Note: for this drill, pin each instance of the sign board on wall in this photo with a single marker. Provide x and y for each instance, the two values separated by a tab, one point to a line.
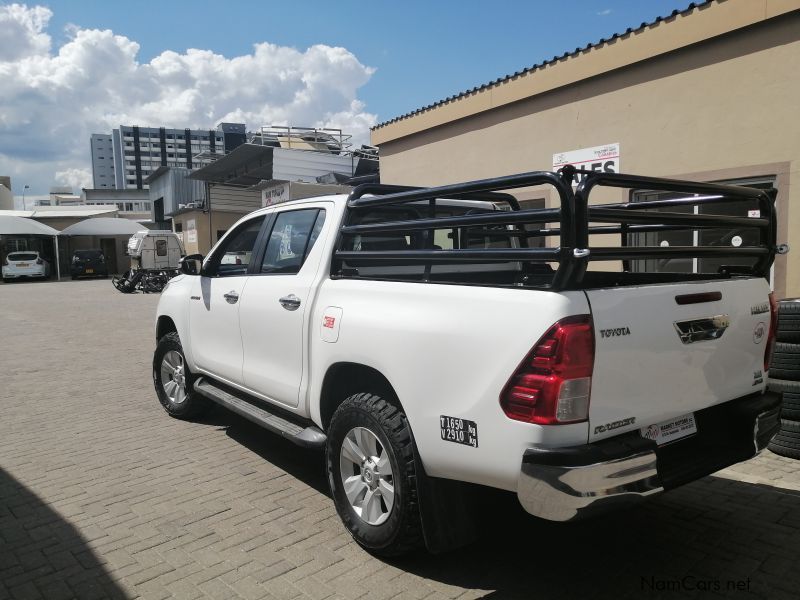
275	194
191	231
599	158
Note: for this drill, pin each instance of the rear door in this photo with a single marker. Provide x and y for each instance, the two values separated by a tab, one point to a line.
664	351
276	303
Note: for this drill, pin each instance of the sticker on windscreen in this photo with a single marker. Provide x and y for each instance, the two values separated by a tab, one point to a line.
460	431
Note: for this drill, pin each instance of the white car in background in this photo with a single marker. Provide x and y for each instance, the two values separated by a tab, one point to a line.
27	263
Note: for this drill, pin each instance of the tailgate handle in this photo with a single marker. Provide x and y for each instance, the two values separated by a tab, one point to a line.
701	330
698	298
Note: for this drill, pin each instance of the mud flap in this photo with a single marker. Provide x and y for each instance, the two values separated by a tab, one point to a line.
447	511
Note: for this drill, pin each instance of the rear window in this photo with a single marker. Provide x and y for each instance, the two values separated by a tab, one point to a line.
88	253
444	238
23	256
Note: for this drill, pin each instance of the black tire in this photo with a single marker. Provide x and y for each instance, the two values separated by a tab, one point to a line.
194	405
401	532
791	406
783	385
785	362
787	441
789	306
789	321
785	451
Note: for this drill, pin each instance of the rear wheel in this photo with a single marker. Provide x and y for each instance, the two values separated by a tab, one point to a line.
372	474
173	380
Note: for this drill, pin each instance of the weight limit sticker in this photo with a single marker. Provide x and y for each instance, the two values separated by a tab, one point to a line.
459	431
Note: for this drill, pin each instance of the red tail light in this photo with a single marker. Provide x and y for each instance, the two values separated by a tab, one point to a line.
773	330
553	383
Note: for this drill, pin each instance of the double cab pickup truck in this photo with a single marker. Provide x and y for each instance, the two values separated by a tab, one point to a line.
607	344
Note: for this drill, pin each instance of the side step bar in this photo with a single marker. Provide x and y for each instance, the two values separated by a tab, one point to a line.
310	436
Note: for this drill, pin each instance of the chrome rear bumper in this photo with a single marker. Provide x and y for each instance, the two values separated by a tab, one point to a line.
564	484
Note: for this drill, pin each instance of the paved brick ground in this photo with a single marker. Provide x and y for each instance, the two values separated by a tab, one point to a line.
103	495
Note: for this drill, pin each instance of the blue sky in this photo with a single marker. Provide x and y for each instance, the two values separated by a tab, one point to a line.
72	68
423	50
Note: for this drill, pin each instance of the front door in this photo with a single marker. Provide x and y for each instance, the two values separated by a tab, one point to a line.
276	302
214	334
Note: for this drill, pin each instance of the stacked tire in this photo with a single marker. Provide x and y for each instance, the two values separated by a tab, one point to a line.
784	377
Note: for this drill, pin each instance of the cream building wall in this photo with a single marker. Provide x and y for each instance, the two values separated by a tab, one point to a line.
720	109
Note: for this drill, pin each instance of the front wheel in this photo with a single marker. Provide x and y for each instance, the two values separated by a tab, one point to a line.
173	380
372	474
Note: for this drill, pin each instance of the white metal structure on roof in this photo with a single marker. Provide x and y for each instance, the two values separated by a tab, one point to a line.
17	225
104	226
52	212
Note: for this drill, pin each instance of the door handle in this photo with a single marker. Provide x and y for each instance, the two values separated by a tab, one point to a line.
231	297
290	302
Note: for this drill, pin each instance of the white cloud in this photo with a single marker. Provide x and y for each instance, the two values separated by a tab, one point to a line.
77	179
52	99
604	12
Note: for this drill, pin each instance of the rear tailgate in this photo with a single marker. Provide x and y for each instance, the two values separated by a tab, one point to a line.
645	373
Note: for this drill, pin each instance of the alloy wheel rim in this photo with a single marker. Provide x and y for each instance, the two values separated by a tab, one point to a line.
366	475
173	377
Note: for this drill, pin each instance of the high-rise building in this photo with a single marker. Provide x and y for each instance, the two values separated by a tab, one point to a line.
124	159
102	161
139	151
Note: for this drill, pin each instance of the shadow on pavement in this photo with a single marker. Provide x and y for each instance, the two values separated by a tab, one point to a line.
42	554
716	536
305	464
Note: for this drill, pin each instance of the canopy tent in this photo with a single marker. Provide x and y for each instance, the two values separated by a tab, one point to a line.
11	225
21	226
104	226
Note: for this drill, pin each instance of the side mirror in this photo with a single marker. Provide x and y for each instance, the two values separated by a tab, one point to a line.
190	265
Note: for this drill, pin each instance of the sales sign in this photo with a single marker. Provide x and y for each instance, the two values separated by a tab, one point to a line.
603	159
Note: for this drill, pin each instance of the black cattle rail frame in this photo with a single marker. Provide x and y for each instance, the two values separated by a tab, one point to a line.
574	222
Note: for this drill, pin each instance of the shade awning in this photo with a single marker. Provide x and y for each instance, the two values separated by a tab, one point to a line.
104	226
246	165
10	225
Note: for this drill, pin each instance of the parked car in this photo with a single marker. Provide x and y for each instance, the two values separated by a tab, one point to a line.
428	339
88	263
27	263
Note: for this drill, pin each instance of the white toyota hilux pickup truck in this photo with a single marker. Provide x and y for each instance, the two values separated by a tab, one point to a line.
581	355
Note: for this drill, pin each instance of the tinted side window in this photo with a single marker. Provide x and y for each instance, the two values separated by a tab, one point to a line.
233	256
291	239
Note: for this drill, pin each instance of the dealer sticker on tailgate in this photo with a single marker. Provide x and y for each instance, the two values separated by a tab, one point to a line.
669	431
459	431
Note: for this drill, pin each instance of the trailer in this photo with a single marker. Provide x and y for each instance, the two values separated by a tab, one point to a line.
155	259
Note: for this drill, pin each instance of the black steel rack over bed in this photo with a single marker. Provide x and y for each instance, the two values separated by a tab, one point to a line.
377	214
